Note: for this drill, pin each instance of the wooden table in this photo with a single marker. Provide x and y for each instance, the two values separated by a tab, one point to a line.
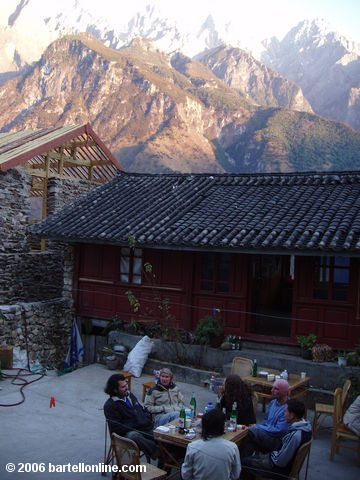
298	387
167	458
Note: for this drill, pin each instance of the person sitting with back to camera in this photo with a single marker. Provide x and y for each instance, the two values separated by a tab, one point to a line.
212	457
164	400
127	418
266	436
236	390
279	462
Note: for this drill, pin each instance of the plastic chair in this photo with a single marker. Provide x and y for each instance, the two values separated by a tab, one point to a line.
323	410
127	453
340	432
241	366
302	453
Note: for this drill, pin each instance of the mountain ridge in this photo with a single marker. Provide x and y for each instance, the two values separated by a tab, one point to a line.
156	118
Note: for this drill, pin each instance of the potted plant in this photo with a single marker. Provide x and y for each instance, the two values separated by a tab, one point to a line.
306	343
209	331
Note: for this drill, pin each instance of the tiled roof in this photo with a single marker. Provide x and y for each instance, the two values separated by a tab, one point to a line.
305	212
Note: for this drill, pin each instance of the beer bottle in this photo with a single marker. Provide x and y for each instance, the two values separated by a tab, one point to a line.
182	419
193	405
233	417
254	369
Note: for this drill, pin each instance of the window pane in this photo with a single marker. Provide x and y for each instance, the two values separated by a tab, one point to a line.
224	267
125	252
206	285
321	294
222	287
137	279
207	271
342	262
137	252
339	295
124	277
341	277
137	266
124	264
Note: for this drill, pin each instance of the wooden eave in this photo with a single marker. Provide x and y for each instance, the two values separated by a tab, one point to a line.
72	152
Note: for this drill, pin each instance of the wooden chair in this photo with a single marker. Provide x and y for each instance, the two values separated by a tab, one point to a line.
302	453
241	366
323	410
146	386
127	453
109	454
255	400
340	432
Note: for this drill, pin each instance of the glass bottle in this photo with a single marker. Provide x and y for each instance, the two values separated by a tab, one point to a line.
254	369
182	419
193	405
233	417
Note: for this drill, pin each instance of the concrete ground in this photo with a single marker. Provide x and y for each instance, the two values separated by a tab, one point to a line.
73	431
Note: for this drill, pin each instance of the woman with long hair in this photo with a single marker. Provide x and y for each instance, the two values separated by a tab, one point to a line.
236	390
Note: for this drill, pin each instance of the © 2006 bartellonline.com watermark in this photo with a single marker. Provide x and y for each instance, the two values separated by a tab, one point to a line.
81	467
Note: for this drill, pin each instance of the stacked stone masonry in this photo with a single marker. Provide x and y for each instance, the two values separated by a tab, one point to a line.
34	280
44	327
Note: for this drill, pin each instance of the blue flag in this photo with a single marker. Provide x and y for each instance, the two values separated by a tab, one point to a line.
75	353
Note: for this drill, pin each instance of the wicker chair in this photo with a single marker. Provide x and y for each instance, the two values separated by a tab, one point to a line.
241	366
340	432
127	453
323	410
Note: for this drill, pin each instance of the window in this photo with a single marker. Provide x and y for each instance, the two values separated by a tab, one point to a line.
332	275
130	265
215	272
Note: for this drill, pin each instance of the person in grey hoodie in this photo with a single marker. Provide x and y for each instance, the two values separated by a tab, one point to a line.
279	462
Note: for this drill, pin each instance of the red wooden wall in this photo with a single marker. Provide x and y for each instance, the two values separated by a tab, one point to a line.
100	294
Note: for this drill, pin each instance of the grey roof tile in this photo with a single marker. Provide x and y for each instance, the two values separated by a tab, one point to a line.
305	212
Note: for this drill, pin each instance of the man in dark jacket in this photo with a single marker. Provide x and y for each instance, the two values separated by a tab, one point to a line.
126	417
279	462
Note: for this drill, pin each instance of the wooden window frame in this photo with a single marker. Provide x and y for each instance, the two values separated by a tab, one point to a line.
326	266
215	282
132	254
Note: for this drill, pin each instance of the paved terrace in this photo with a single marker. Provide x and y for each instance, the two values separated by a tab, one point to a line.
73	431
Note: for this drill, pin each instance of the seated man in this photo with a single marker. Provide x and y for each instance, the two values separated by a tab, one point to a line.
127	417
279	462
164	400
352	416
212	457
266	436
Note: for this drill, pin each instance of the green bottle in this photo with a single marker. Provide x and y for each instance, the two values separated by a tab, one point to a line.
182	419
233	417
193	405
254	369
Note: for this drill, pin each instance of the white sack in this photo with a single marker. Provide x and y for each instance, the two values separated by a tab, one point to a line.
138	356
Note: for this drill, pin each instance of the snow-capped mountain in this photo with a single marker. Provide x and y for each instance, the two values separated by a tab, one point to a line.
325	64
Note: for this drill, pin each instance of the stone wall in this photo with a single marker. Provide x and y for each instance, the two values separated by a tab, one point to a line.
27	276
44	327
35	286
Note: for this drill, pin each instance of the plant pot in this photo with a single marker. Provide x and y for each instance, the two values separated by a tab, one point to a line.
342	361
306	353
112	362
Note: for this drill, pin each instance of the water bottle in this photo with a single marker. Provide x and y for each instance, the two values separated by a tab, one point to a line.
254	369
209	407
212	383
